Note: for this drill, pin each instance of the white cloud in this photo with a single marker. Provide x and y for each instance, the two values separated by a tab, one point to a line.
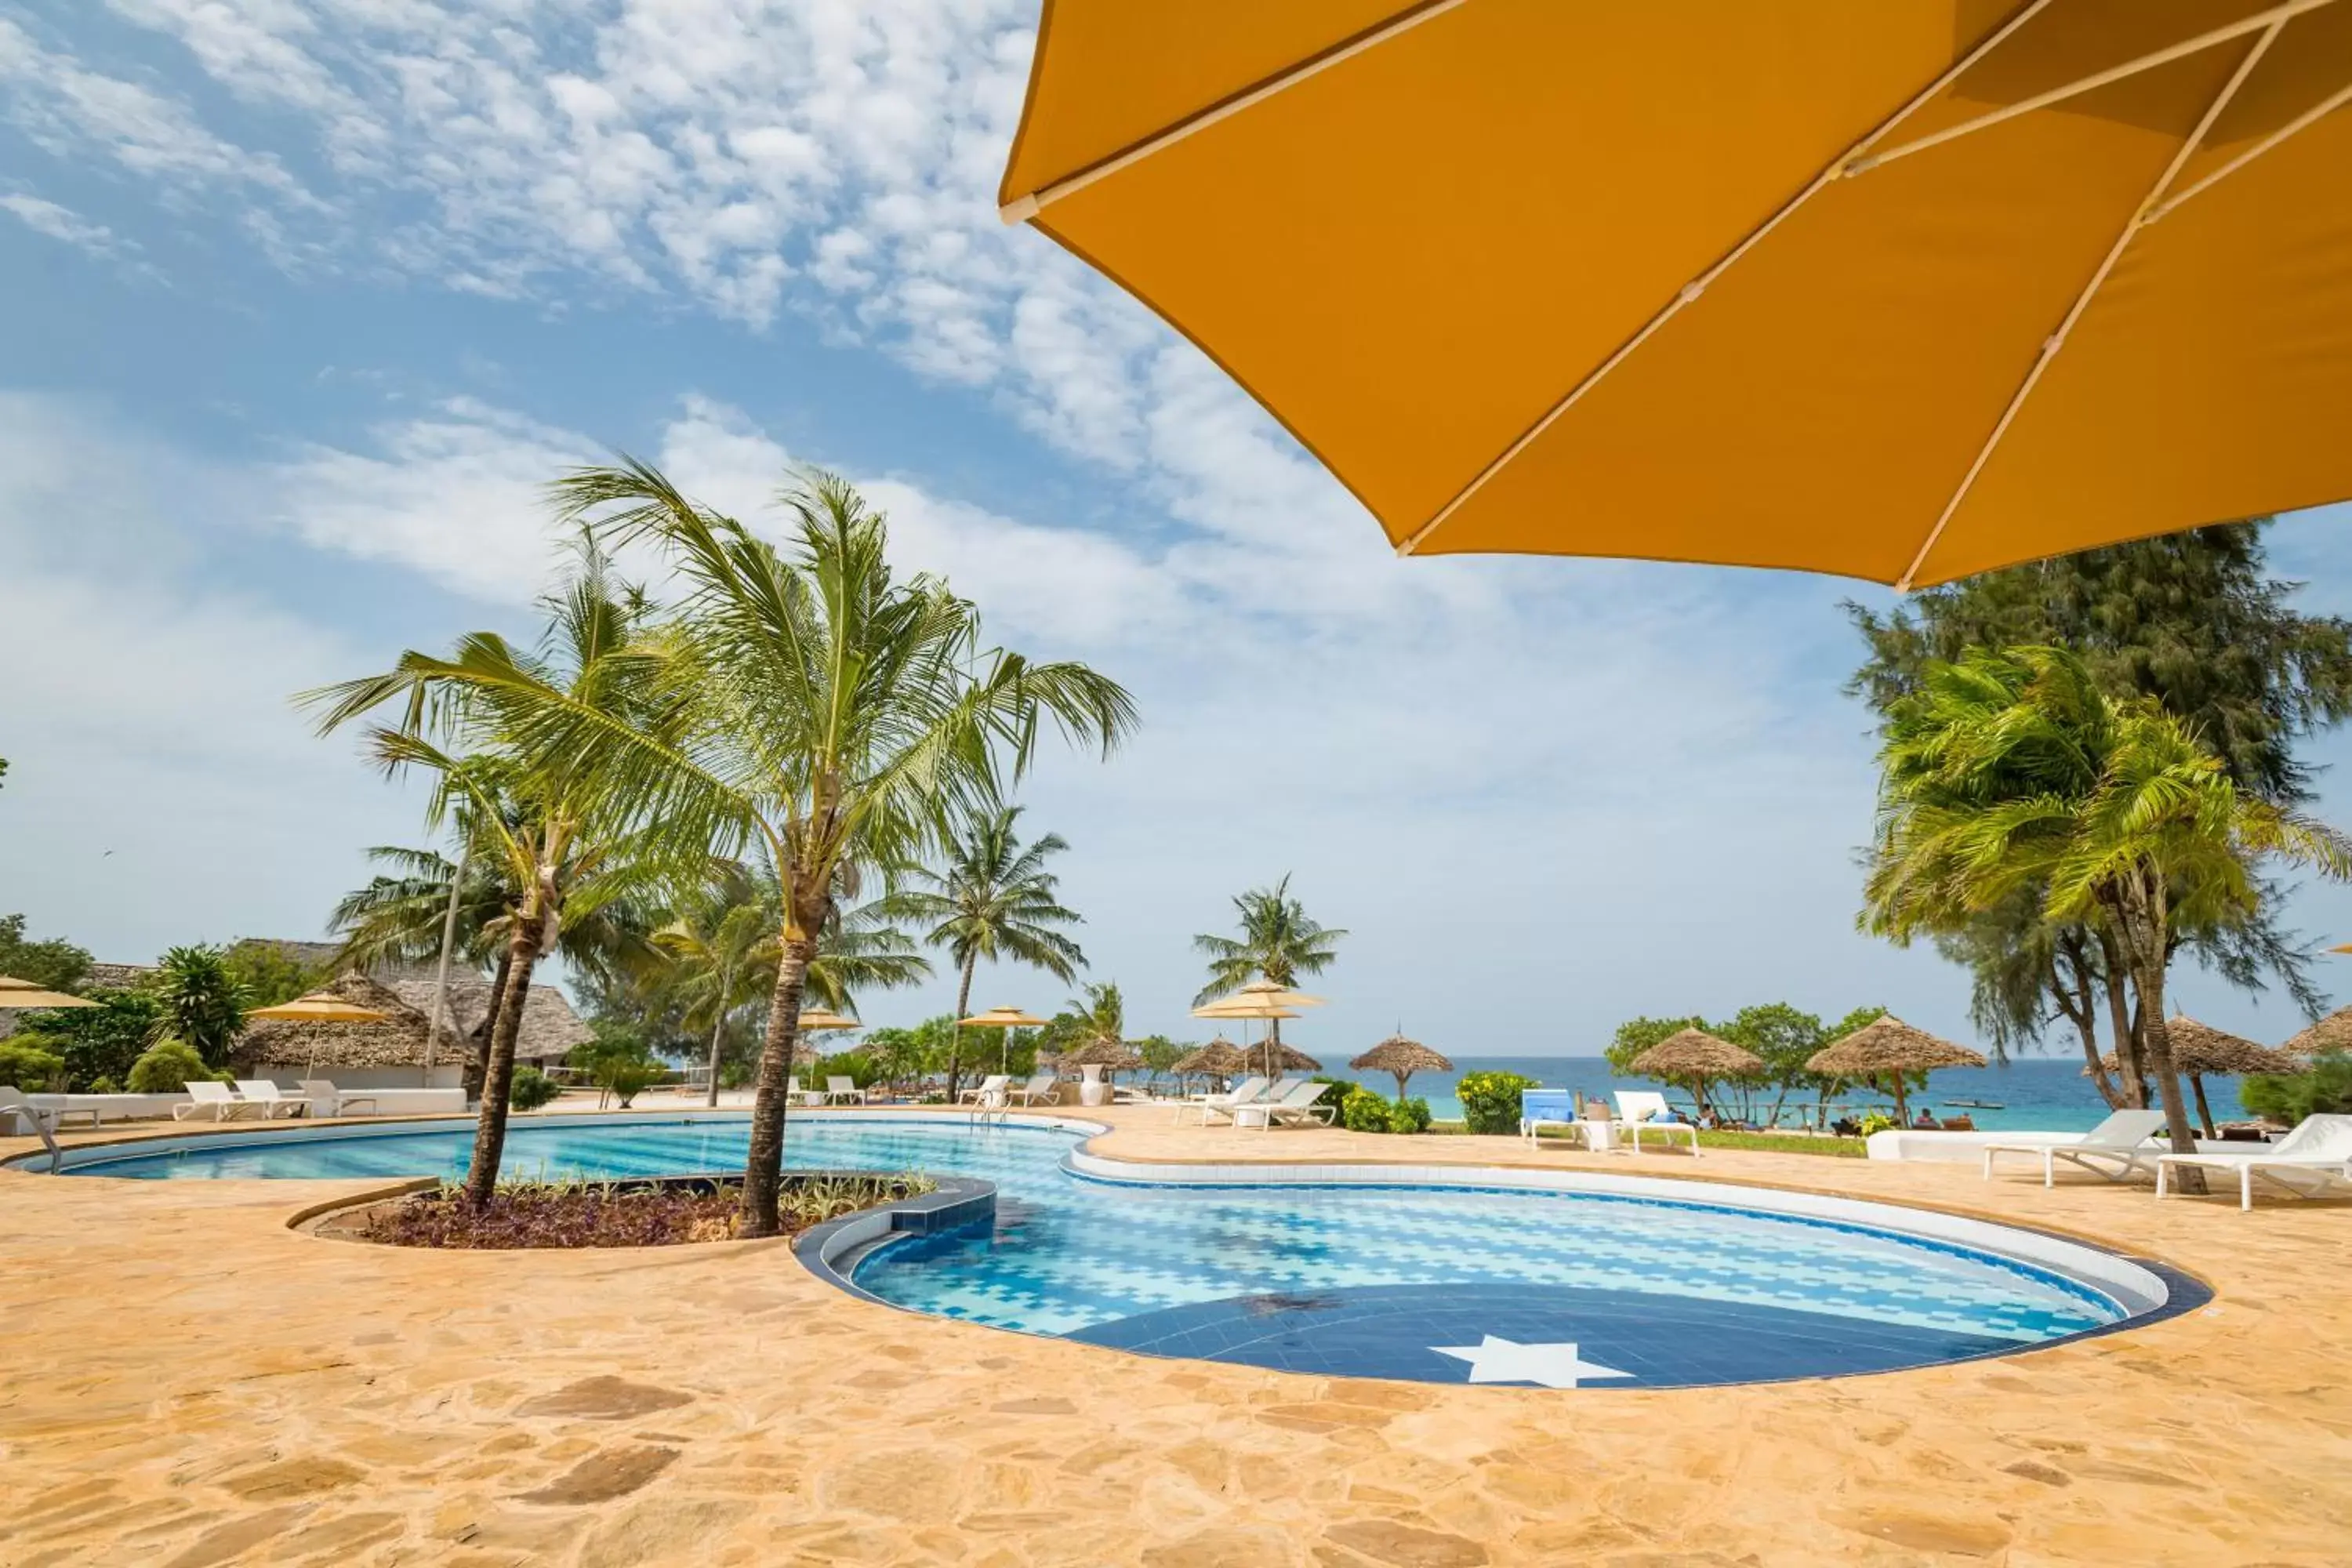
60	224
458	496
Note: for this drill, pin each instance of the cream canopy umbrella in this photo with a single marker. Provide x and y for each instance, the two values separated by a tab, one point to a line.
24	995
1895	290
1889	1047
1007	1019
318	1007
1267	1000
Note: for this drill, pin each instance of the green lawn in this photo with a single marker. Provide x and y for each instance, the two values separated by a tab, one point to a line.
1771	1143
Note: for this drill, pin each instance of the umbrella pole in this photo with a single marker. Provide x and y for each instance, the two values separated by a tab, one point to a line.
2204	1111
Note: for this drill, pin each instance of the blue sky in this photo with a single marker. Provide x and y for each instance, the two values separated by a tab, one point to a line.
301	299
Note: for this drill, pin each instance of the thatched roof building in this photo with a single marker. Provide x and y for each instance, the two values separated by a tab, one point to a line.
1401	1058
550	1029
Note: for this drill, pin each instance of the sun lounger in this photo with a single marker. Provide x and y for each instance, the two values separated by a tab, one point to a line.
211	1101
1043	1086
2115	1149
265	1094
40	1116
338	1102
993	1084
1296	1103
1247	1091
1643	1111
843	1089
2317	1155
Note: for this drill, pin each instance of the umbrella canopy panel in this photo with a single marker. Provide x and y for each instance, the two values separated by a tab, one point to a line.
1002	1018
23	994
1929	287
320	1007
2333	1032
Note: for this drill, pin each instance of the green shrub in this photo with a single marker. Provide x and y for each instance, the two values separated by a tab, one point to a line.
1490	1101
2326	1089
1362	1111
625	1077
857	1066
532	1088
168	1066
96	1042
102	1086
1413	1116
27	1067
1878	1122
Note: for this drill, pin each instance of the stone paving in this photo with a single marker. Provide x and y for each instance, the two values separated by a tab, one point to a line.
185	1381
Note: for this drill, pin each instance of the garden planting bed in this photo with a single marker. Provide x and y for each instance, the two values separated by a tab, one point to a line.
662	1211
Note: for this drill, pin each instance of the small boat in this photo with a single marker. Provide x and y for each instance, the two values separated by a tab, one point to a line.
1978	1104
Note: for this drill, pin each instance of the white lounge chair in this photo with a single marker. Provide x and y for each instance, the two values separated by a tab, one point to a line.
995	1084
212	1101
2317	1155
50	1117
844	1090
1296	1102
1042	1086
1644	1110
262	1092
1248	1092
2115	1149
319	1088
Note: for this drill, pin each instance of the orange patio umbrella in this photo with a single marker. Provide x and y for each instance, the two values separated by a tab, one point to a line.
1899	289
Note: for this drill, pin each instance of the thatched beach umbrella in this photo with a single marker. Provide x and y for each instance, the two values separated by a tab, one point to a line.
1889	1048
2198	1049
1401	1058
1697	1055
1219	1058
2333	1032
1110	1055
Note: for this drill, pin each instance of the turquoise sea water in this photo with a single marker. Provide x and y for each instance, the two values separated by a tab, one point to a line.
2047	1094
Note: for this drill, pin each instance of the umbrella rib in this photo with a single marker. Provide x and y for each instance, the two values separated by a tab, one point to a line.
2304	121
1829	175
1021	209
2057	340
2261	21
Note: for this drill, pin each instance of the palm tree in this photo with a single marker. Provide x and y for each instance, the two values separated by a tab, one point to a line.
714	945
1278	943
2012	774
994	901
807	703
547	827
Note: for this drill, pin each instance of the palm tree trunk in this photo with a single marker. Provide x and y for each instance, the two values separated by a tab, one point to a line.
718	1026
763	1170
475	1050
2167	1081
2131	1075
955	1028
498	1075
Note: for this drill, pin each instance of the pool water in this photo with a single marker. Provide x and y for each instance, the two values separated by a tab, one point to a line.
1432	1284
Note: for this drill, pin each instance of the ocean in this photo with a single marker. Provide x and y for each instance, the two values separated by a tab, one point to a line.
2044	1093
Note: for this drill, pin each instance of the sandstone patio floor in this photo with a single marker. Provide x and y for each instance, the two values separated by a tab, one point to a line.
185	1381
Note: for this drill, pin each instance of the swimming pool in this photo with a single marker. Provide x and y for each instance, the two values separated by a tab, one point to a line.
1405	1274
